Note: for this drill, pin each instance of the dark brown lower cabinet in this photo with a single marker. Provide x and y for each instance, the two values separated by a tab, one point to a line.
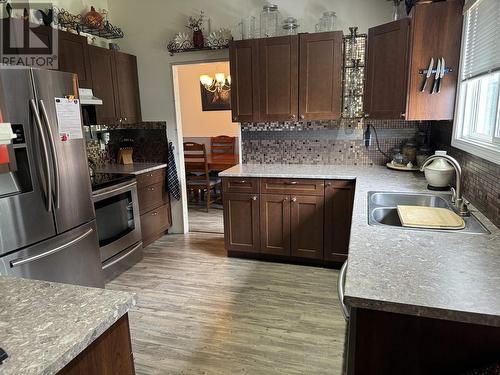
383	343
339	197
275	224
111	353
304	220
154	205
241	222
307	226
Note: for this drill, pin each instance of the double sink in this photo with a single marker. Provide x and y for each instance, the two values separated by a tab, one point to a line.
382	210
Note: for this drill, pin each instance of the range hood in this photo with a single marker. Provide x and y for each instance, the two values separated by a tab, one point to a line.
87	97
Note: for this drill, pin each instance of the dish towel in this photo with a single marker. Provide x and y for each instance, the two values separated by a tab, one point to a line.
172	179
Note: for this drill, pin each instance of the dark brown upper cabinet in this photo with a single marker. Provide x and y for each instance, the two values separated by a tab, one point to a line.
279	70
74	57
244	85
287	78
127	83
115	81
399	51
320	83
103	83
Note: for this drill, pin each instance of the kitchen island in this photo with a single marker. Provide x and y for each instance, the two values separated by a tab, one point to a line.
50	328
393	272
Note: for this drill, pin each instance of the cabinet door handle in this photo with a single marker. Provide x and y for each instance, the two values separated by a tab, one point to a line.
292	117
294	199
150	175
302	117
151	189
367	115
403	115
254	198
125	119
328	184
285	199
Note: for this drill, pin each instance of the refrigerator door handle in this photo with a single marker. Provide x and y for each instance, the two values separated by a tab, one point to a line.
55	163
39	126
20	262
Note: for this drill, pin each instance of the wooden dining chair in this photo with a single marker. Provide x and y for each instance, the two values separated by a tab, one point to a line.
197	173
223	144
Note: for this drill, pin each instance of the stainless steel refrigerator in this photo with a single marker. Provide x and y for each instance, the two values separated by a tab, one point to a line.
47	218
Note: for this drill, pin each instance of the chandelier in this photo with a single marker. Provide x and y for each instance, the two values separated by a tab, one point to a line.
220	84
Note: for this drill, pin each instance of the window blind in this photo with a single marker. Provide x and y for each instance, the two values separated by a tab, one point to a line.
481	45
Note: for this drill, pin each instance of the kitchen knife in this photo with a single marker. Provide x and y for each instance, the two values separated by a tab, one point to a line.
436	76
427	75
441	75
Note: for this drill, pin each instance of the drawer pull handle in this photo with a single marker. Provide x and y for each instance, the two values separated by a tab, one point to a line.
291	183
151	189
241	182
154	214
294	199
254	198
285	199
150	175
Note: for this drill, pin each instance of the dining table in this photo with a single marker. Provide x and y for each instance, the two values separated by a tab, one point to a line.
219	162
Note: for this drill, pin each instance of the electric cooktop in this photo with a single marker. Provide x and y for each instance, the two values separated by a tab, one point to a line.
103	180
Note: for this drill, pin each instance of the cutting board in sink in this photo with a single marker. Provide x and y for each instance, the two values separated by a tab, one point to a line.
429	217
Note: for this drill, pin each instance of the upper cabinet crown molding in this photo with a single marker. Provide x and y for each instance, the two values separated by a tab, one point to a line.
399	51
287	78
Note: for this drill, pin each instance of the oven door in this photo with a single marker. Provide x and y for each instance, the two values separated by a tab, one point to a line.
117	216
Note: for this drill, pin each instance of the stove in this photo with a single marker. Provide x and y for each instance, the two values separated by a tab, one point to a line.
103	180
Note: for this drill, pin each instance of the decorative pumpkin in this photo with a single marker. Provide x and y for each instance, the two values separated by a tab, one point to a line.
93	19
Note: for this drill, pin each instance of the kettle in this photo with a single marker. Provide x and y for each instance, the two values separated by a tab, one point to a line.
439	173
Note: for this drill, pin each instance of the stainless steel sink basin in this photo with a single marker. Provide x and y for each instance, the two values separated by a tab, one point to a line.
382	210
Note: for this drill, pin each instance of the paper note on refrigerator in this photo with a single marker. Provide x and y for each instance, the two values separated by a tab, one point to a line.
69	119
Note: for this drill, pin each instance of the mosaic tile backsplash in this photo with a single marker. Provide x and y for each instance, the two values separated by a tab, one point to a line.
149	143
481	178
327	142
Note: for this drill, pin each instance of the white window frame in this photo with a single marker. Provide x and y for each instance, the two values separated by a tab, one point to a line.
484	148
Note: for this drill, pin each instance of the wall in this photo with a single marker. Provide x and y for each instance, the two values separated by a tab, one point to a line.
195	121
480	178
148	28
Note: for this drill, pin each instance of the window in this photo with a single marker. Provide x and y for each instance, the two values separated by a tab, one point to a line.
477	116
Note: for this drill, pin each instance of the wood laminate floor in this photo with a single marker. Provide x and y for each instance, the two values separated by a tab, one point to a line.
200	312
202	221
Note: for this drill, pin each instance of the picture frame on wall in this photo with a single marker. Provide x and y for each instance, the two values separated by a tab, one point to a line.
215	101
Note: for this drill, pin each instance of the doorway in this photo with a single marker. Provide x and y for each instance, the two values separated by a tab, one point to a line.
200	119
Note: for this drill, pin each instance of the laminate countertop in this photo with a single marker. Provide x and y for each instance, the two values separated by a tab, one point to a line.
135	169
44	325
442	275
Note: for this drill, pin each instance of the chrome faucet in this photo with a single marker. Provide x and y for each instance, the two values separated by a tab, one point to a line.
457	198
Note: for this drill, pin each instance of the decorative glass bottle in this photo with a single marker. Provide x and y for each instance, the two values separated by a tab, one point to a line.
290	26
269	21
327	22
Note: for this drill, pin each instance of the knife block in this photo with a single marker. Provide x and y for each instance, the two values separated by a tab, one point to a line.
125	156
